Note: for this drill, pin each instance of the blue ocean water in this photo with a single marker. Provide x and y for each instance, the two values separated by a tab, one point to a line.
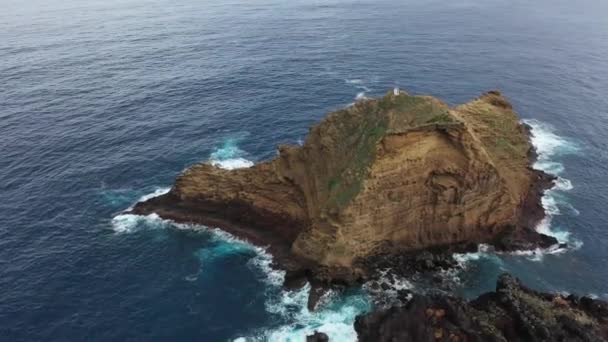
103	102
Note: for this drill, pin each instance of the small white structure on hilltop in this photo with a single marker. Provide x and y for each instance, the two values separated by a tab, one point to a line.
396	91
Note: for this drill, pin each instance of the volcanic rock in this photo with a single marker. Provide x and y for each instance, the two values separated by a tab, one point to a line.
512	313
394	174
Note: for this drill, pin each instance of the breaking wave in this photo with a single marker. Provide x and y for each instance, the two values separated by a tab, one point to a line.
483	251
548	146
127	223
335	316
229	156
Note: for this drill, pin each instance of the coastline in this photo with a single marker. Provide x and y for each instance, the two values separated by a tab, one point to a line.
254	227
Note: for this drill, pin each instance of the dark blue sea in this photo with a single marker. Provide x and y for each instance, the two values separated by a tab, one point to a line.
103	103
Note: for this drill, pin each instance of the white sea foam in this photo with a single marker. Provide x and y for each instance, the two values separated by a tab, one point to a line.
354	81
387	287
360	96
156	193
548	146
335	318
128	223
463	259
223	243
263	262
231	164
229	156
547	143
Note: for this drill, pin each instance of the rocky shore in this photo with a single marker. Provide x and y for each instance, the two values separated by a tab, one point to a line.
511	313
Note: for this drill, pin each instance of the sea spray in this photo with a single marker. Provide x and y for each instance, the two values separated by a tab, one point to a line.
229	156
548	146
335	317
129	223
388	288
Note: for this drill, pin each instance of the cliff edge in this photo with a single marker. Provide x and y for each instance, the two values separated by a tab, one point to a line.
398	173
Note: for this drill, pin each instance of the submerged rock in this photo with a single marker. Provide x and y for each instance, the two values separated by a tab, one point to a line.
390	175
317	337
512	313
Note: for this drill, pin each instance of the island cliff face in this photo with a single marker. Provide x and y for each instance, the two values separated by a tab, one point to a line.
399	173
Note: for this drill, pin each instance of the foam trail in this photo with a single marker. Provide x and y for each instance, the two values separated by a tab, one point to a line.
354	81
548	144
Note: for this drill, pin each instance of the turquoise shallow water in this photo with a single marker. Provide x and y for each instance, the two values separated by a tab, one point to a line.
105	102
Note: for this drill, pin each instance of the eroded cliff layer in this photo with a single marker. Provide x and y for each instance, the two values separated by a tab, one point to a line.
401	172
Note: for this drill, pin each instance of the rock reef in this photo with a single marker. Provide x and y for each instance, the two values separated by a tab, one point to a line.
511	313
384	176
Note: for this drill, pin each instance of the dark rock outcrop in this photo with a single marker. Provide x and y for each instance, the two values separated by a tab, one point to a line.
512	313
317	337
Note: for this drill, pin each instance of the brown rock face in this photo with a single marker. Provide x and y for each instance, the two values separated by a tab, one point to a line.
400	172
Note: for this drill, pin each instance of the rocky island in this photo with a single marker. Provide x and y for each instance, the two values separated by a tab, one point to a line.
400	183
384	176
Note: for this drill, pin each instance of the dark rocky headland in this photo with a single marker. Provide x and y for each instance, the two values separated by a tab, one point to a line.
398	182
511	313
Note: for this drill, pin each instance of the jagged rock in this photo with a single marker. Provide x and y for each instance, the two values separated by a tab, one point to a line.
512	313
317	337
384	176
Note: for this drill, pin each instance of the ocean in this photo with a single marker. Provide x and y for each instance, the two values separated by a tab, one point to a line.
104	103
